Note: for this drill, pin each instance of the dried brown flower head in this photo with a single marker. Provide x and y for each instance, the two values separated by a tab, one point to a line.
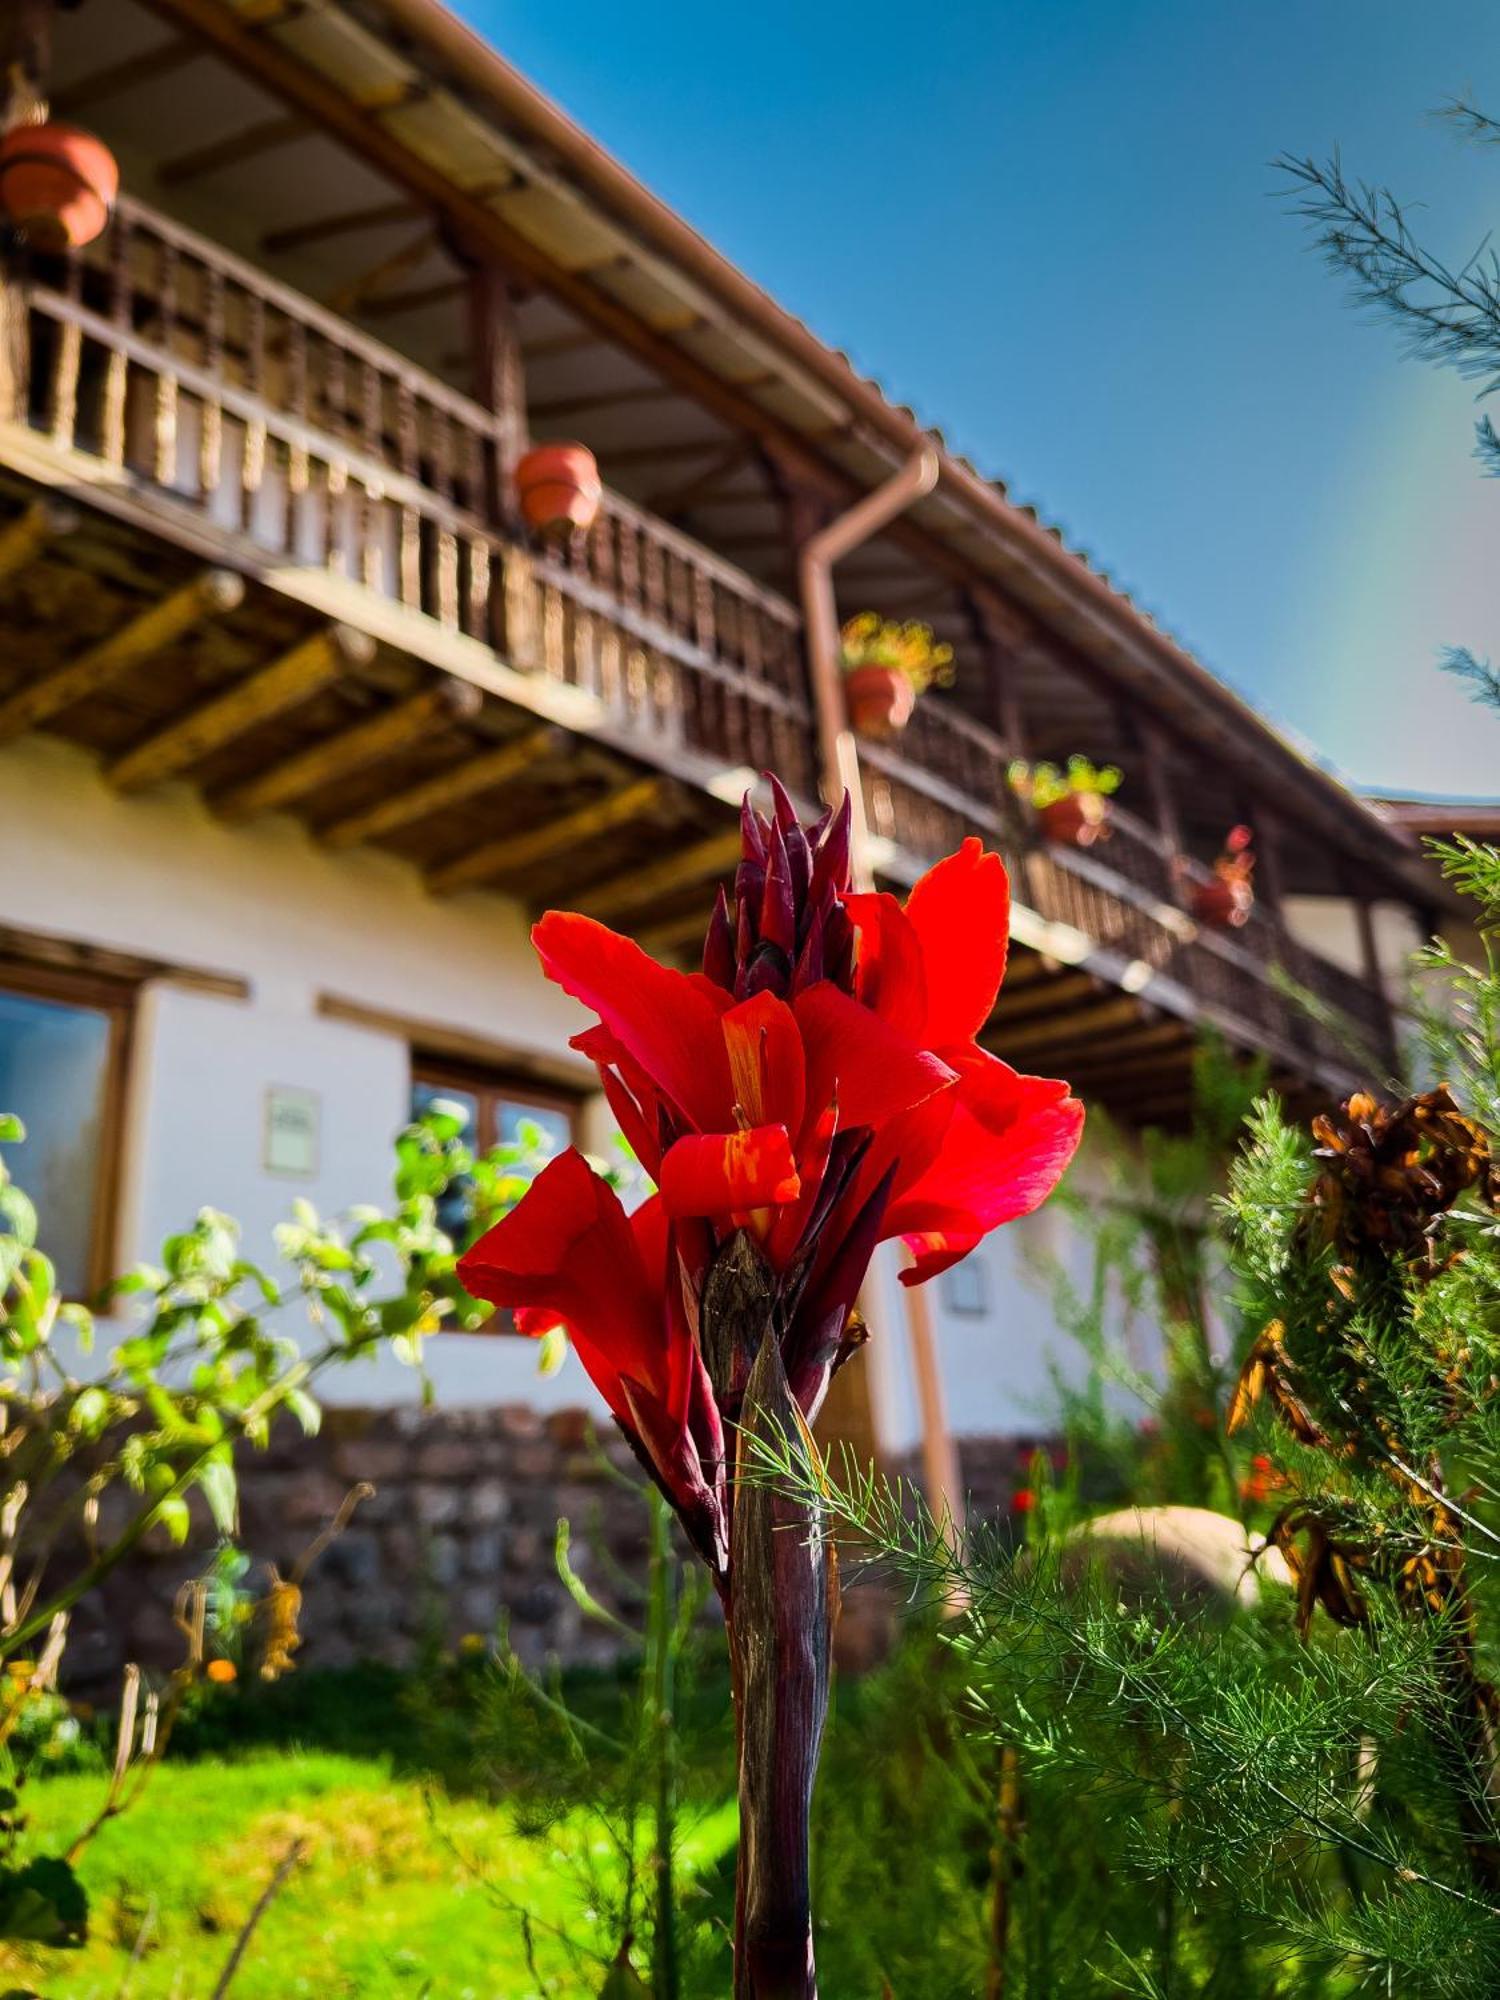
1391	1171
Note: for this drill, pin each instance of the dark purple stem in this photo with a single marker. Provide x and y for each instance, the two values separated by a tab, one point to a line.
780	1622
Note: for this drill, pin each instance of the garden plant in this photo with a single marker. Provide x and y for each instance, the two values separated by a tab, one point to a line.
815	1091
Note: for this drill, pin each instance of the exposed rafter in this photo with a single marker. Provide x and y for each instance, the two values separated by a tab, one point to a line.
149	66
635	887
380	736
469	779
300	235
42	522
515	851
208	596
293	678
246	144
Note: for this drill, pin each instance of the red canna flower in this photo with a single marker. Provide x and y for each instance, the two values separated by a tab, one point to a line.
815	1090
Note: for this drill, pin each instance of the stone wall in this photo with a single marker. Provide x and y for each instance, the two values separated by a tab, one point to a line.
458	1535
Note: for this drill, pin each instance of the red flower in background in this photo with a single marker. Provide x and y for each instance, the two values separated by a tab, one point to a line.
815	1090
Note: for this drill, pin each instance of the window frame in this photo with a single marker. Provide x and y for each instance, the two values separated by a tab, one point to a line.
491	1084
116	1000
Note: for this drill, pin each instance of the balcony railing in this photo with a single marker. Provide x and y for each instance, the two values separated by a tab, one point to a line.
197	380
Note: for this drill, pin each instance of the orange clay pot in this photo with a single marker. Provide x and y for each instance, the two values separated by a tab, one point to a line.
559	487
1077	820
1223	905
880	699
57	184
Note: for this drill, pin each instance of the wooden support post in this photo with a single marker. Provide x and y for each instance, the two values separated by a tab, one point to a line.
1270	885
1153	749
207	596
369	742
499	380
25	57
468	780
1369	957
42	522
717	855
545	843
1001	635
295	677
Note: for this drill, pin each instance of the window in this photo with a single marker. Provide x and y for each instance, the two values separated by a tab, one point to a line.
964	1289
62	1062
496	1106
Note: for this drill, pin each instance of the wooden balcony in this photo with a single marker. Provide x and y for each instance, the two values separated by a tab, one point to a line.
251	547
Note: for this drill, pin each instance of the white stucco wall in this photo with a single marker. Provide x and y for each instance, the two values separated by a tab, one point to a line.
158	877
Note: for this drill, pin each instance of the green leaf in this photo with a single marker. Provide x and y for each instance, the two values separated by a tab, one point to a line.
43	1903
552	1350
217	1482
12	1131
174	1517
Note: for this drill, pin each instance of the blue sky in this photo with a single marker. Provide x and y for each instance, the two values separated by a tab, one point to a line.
1051	229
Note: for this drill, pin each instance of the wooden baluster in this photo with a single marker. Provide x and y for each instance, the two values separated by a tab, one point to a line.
117	368
164	435
630	563
66	366
253	464
703	610
298	462
211	438
447	541
409	530
368	508
480	557
336	475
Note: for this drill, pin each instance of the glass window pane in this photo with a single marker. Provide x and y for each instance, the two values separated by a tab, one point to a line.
54	1072
453	1202
551	1121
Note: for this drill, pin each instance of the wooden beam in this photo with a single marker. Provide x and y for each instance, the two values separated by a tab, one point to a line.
1039	997
637	886
388	305
299	235
207	596
1161	1038
1066	1030
147	67
602	399
544	843
246	144
674	938
667	500
24	537
466	780
368	742
562	343
294	677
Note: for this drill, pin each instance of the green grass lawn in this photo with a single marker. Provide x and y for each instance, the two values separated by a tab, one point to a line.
402	1891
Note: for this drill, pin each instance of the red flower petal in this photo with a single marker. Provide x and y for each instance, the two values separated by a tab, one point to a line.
888	971
729	1173
960	911
858	1060
568	1247
666	1021
767	1068
1008	1142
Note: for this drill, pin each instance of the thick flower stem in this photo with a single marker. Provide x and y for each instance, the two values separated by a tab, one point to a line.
780	1619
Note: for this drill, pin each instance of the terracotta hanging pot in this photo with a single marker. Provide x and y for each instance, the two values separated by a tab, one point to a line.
880	699
57	184
1077	819
1223	905
560	488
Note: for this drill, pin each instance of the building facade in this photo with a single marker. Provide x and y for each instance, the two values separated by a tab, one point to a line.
300	724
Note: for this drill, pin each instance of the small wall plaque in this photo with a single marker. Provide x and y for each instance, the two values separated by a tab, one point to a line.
294	1121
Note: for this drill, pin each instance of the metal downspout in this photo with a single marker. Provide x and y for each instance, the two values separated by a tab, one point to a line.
838	762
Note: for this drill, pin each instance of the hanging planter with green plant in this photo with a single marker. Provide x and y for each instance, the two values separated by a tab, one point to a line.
886	666
1071	803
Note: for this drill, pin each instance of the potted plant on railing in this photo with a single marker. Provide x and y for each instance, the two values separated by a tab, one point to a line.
57	184
886	666
559	488
1225	900
1071	803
